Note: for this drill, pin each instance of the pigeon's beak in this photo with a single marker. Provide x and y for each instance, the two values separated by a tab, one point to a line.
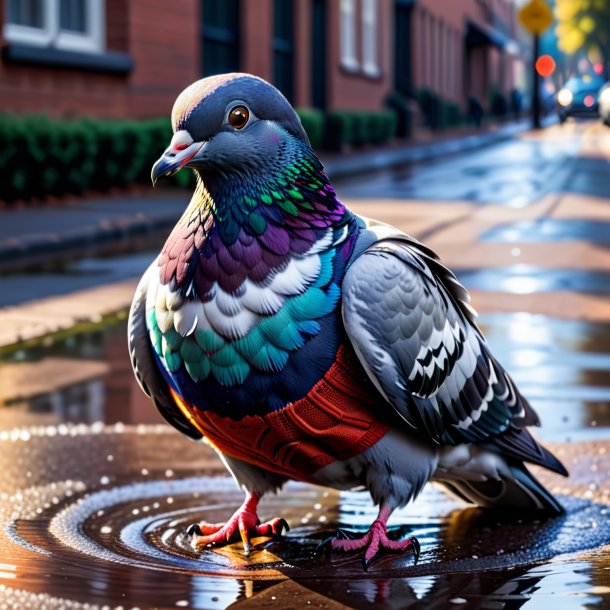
179	153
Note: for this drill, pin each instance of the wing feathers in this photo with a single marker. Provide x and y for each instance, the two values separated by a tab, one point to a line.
413	329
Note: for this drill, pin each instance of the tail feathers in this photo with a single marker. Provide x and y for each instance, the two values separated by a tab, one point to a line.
518	490
519	444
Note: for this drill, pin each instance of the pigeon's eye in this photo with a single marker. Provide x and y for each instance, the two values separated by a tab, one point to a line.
238	117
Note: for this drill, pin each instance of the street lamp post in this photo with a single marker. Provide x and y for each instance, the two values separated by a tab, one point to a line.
536	17
536	122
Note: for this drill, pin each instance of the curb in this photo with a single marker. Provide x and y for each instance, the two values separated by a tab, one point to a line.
33	250
372	161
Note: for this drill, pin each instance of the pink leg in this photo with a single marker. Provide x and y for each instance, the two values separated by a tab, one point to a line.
244	522
374	541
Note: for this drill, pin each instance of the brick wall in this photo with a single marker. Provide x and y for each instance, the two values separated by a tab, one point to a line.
444	64
356	90
161	37
164	43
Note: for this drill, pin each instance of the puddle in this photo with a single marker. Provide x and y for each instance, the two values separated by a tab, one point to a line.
73	276
528	279
551	230
515	173
96	493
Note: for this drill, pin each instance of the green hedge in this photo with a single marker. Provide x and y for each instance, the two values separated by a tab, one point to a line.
41	156
346	127
399	103
438	112
312	120
498	103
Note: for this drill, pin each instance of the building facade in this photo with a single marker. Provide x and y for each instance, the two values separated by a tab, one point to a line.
120	58
461	49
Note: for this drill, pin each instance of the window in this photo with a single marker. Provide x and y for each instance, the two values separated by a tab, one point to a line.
73	25
283	47
220	36
369	37
348	35
359	52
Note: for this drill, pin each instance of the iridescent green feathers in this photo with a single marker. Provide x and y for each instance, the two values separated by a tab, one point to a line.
247	274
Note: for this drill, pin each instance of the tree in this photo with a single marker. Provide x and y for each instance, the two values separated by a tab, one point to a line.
584	25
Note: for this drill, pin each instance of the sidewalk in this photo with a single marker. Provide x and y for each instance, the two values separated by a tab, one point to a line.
44	234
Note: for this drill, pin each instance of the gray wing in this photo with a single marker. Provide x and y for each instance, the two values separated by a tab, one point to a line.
413	329
145	366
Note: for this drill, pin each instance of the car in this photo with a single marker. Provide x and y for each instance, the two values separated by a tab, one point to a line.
579	97
603	101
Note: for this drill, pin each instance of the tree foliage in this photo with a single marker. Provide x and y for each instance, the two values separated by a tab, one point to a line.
584	25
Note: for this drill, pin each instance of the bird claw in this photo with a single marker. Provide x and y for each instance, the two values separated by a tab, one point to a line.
325	545
238	527
344	534
282	526
373	543
194	530
416	549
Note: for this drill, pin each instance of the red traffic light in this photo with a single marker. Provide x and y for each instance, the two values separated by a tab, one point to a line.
545	65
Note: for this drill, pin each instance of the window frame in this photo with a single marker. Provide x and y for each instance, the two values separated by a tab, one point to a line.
50	35
347	39
370	38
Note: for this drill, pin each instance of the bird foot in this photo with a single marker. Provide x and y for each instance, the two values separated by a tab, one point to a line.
244	525
374	542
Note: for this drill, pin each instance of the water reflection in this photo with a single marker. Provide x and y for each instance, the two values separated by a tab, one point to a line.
562	366
551	230
58	458
528	279
84	378
516	173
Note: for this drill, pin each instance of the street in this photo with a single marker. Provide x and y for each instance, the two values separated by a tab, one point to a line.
98	490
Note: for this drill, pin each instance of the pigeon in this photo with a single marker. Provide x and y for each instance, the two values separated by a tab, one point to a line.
304	342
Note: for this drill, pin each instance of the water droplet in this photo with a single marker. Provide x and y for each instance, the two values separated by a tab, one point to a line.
105	529
110	457
169	473
515	251
144	471
104	480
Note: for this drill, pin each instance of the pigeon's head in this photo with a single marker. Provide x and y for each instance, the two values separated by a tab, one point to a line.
228	124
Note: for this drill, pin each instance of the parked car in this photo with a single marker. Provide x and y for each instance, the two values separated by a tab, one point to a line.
579	97
603	101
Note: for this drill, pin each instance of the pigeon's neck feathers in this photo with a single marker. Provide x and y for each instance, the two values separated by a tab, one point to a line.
244	226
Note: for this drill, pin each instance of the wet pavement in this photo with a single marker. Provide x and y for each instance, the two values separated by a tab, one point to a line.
515	173
96	490
97	493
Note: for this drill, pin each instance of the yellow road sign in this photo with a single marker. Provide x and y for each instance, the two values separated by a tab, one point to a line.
536	16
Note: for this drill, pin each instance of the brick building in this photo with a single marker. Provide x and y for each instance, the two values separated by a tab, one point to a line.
131	58
459	48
